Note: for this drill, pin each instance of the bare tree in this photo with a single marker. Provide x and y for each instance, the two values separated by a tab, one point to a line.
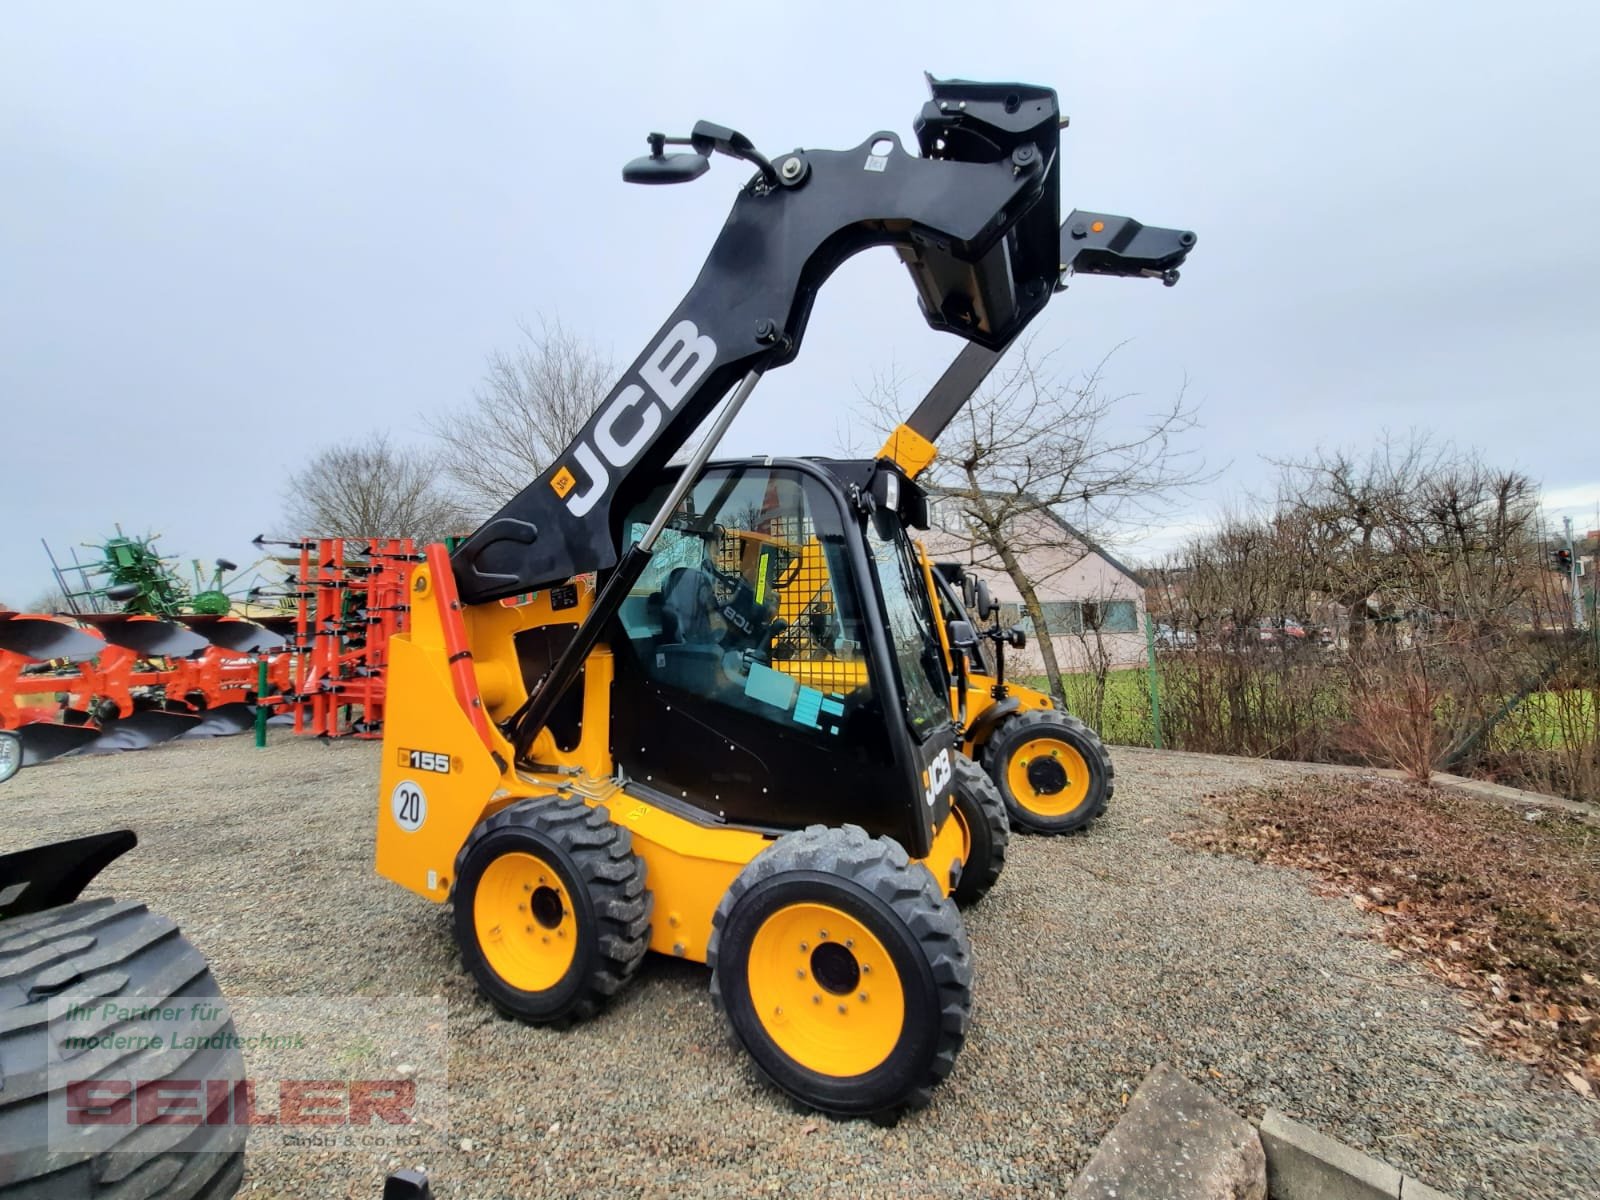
531	403
1413	526
1034	455
369	488
51	600
1420	570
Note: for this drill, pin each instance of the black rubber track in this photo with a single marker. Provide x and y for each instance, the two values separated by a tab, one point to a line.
984	810
1019	729
846	867
606	882
105	950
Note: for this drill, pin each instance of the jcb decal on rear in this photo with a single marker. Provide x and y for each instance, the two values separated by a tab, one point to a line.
937	777
425	760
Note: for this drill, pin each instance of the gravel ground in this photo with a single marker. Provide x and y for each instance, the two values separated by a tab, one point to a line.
1097	957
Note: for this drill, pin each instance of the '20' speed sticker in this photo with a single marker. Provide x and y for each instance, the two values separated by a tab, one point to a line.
409	805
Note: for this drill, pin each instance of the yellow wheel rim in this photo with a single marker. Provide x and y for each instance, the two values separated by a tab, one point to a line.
1048	776
525	921
825	990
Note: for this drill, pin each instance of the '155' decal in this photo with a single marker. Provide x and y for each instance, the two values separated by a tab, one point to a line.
425	760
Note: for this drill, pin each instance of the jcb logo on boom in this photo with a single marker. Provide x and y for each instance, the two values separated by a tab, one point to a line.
939	772
670	371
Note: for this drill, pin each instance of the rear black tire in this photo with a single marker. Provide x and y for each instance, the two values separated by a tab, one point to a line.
1088	778
892	937
109	950
978	805
592	891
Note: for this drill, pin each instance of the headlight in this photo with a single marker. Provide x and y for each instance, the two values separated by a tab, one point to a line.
10	755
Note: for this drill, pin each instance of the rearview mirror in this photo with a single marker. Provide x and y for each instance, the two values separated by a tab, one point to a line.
962	635
665	168
983	603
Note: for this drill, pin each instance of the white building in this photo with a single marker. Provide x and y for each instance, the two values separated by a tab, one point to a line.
1093	604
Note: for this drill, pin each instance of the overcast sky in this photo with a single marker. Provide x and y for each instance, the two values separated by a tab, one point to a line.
231	234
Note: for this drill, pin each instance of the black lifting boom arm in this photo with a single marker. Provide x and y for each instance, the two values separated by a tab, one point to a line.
975	218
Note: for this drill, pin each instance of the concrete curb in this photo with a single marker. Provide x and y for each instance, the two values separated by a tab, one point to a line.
1482	789
1303	1164
1175	1141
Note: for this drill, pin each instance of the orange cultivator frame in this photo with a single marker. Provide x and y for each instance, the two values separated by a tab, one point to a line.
352	600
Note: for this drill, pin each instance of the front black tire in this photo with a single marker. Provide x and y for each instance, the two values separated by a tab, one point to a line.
844	972
551	912
978	805
111	951
1054	773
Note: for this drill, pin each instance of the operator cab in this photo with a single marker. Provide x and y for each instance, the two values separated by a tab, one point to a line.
776	662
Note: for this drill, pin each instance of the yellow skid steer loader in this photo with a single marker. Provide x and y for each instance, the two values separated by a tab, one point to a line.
1053	772
704	710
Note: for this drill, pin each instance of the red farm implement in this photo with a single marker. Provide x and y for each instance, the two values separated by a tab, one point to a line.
97	682
350	599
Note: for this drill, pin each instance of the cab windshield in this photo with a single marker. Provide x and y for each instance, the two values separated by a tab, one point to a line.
912	638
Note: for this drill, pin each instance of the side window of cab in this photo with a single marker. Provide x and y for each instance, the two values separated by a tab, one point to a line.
749	600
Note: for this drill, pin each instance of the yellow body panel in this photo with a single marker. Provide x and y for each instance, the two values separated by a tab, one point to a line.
949	846
909	451
980	695
688	867
423	716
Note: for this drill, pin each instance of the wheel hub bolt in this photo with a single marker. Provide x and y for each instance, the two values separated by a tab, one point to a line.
842	1010
816	999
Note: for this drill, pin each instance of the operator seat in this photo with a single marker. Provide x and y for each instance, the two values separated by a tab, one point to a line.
688	600
689	654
